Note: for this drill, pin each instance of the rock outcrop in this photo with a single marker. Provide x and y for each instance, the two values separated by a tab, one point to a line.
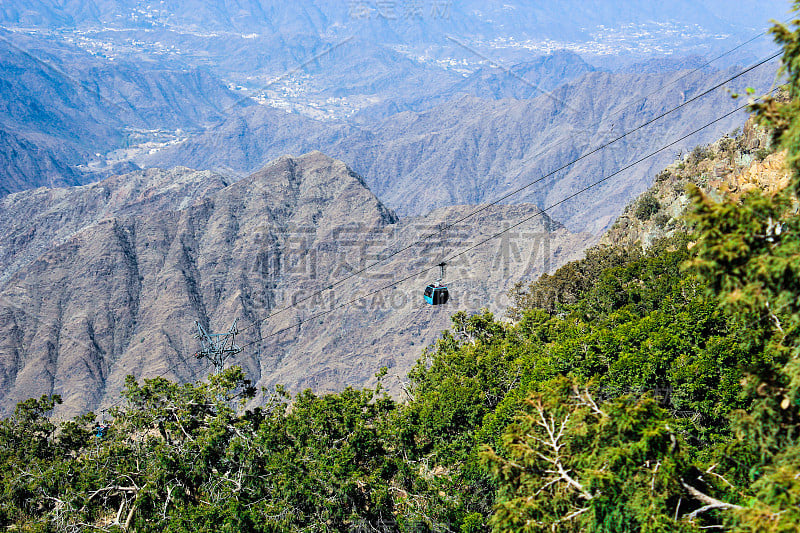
729	167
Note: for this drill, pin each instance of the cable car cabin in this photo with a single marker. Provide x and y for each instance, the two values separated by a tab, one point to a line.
436	294
100	430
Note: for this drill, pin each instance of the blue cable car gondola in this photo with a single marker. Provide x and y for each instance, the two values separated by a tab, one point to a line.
100	430
436	293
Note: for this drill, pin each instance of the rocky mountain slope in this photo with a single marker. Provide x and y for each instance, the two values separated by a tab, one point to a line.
123	277
728	167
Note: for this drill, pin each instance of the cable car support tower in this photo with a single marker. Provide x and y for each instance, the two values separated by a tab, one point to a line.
216	347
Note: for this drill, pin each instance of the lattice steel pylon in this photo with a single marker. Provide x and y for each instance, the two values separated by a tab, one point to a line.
217	347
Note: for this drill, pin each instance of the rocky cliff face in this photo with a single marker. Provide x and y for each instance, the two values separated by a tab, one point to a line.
113	286
34	222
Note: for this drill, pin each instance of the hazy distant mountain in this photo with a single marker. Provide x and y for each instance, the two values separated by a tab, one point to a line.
38	99
522	81
59	108
668	64
245	142
25	165
332	59
119	296
474	150
390	21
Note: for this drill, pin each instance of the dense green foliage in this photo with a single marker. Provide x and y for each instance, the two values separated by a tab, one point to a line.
603	416
652	391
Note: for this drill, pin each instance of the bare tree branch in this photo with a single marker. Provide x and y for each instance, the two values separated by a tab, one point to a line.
554	442
711	503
